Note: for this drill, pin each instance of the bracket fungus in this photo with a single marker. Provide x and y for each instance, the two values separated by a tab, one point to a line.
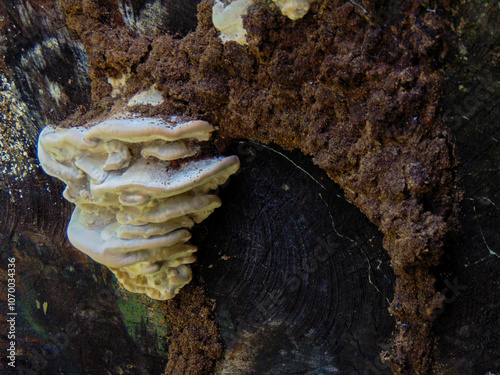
135	196
293	9
227	16
228	19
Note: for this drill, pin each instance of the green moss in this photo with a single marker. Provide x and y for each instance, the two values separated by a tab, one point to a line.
142	318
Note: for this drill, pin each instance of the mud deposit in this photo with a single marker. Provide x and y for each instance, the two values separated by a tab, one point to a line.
356	85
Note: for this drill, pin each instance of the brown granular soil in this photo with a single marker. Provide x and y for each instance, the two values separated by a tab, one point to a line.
356	85
195	343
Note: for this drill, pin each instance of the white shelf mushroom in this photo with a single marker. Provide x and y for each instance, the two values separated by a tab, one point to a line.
133	207
227	16
293	9
228	19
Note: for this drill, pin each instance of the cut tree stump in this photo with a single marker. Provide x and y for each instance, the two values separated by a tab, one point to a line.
300	279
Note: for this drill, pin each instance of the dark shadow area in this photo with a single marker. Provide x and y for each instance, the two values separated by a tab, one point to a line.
469	325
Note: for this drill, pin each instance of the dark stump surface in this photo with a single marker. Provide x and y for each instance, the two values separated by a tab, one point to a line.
300	277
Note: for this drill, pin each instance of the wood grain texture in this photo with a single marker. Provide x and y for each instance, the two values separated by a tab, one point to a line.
301	279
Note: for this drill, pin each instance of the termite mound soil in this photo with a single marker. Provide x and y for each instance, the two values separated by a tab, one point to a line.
195	342
356	85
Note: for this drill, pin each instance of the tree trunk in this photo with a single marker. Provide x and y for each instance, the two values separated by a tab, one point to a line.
291	277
